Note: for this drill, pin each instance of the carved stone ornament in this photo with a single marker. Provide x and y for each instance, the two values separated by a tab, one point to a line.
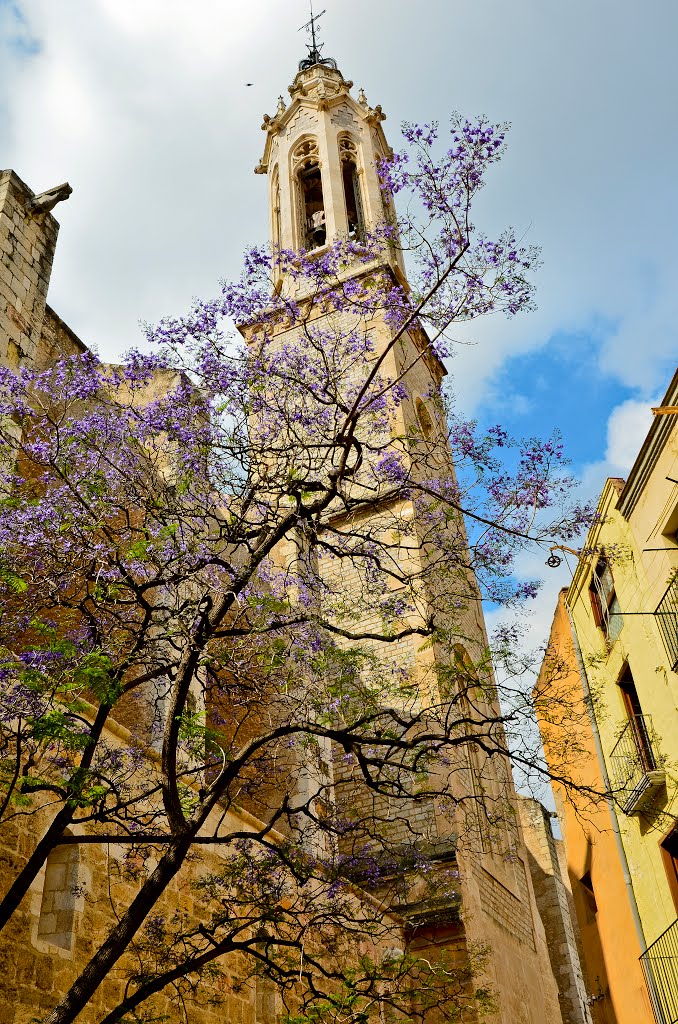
347	150
376	115
306	153
303	121
271	124
46	201
345	118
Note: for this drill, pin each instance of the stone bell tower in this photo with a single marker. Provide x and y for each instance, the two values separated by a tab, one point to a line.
321	164
321	158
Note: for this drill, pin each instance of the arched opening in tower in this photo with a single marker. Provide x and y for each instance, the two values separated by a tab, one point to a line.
275	197
313	206
354	213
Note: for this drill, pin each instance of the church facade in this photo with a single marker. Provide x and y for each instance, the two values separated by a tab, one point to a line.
320	167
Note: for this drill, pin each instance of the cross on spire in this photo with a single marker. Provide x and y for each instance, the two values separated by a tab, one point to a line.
314	48
310	25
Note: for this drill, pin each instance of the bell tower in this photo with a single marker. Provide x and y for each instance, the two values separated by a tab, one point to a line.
321	158
321	162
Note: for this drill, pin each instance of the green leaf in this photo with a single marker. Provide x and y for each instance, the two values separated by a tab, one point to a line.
10	579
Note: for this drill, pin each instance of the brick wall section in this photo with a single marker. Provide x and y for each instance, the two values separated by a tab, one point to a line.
511	912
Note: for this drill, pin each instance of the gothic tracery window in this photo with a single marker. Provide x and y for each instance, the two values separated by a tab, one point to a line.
348	154
306	163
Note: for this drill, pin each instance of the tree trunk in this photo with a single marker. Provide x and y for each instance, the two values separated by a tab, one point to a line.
82	990
148	989
60	823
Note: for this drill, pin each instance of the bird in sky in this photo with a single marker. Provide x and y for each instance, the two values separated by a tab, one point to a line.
247	84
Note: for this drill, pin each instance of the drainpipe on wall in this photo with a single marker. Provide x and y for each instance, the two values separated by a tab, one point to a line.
613	813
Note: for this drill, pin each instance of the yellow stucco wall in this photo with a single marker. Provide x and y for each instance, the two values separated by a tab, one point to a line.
636	533
641	575
608	942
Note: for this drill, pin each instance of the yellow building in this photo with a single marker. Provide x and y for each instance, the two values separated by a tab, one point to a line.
616	630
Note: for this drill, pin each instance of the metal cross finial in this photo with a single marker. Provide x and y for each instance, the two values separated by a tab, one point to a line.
311	25
314	48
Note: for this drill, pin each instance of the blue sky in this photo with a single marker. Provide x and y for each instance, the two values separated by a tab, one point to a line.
557	387
16	31
141	106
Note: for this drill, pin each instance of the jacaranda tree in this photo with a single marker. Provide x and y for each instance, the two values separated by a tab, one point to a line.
215	544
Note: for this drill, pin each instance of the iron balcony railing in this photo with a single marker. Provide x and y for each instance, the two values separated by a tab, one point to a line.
635	765
660	967
667	619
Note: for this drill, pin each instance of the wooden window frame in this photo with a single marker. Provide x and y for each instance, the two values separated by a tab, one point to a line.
601	613
636	718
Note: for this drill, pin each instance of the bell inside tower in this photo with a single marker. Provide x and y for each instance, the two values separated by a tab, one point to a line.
352	197
322	156
310	188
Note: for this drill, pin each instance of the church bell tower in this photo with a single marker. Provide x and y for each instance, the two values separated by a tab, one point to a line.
321	162
321	158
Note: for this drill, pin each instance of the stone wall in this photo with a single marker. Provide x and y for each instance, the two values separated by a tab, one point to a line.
58	927
553	901
27	244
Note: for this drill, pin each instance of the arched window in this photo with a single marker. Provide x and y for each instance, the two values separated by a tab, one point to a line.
310	194
475	807
275	206
348	154
57	909
424	417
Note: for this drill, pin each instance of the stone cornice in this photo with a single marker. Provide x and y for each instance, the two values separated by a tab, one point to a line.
646	460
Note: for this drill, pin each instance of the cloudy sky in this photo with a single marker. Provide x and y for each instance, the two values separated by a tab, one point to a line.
142	106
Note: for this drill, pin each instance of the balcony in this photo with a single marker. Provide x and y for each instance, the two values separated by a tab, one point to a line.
660	967
636	772
667	620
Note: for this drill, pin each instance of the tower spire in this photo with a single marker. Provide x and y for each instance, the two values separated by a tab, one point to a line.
314	48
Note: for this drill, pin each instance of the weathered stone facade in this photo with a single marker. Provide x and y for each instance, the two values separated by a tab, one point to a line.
554	900
38	964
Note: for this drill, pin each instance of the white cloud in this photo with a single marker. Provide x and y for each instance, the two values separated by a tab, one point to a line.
646	340
143	108
627	427
626	430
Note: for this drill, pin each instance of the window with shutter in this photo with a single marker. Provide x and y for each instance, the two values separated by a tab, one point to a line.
606	608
